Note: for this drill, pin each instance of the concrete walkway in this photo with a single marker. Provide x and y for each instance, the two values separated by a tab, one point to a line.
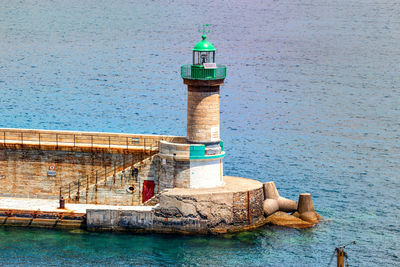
231	185
51	205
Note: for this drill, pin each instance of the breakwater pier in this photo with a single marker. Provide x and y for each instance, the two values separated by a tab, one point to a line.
103	178
141	183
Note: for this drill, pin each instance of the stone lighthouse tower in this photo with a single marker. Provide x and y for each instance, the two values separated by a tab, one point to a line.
203	79
197	163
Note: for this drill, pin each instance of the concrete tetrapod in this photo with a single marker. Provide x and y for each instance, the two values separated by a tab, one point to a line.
270	206
274	202
306	210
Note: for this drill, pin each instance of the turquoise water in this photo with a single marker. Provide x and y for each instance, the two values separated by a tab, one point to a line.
311	101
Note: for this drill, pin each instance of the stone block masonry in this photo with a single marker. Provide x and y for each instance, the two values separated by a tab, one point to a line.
135	218
174	173
25	173
190	166
181	210
191	211
116	189
247	205
203	116
203	122
37	163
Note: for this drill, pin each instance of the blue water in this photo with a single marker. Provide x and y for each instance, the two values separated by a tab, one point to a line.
311	101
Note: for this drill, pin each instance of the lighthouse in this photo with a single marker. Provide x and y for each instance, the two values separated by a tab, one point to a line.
196	161
203	79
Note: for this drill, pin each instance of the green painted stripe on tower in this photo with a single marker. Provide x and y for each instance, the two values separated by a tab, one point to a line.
197	151
219	156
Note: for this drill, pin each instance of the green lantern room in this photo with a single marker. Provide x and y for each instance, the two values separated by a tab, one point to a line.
203	66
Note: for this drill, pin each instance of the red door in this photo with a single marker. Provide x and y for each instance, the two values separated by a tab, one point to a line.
148	190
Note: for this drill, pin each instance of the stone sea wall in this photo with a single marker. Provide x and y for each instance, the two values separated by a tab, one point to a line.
25	172
191	211
117	189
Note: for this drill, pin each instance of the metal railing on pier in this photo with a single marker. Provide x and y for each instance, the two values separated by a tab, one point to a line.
73	190
81	139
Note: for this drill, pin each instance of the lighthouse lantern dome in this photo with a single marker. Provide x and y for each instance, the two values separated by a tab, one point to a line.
203	52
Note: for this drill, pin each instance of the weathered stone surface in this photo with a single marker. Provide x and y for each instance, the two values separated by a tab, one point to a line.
286	204
284	219
271	192
256	203
275	207
216	208
306	209
270	206
247	206
191	211
24	172
236	205
296	214
305	203
203	113
79	160
119	220
240	212
174	173
309	216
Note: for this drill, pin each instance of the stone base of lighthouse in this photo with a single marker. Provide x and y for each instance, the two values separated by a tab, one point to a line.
190	165
194	197
235	206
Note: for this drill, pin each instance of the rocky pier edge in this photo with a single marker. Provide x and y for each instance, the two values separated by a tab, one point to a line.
239	205
285	212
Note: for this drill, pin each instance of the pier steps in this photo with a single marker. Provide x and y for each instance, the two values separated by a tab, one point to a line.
120	185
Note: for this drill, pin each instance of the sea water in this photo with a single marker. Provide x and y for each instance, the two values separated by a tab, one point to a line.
311	101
